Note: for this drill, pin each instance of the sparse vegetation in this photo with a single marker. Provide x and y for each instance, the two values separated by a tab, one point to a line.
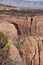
22	12
4	49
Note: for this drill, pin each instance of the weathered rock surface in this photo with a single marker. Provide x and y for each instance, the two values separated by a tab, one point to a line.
25	25
37	26
29	46
21	23
8	29
27	51
30	49
14	55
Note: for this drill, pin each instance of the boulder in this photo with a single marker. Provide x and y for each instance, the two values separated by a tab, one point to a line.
8	29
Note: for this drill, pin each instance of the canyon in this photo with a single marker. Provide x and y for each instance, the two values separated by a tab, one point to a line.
25	36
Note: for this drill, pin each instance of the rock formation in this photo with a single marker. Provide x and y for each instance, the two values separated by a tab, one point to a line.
37	26
30	49
27	36
8	29
25	25
14	55
21	23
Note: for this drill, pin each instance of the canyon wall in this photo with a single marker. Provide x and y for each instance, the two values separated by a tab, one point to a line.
26	34
25	25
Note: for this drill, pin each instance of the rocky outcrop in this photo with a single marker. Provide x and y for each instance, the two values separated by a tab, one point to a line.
14	55
30	49
9	54
8	29
26	51
21	23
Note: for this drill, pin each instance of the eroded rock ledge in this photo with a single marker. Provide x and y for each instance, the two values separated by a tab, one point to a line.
27	40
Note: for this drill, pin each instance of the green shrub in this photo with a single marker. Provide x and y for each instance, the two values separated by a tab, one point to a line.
3	40
4	49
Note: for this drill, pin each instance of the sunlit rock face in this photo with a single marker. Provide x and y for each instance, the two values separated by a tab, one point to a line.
28	48
22	23
8	29
28	51
31	50
37	26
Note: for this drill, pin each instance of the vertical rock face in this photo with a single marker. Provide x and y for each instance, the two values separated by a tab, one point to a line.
37	26
41	50
25	25
22	23
31	50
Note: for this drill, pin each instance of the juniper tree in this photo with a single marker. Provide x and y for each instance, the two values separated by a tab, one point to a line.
4	49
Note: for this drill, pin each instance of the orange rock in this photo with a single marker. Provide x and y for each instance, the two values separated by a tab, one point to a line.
37	26
29	49
22	23
8	29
